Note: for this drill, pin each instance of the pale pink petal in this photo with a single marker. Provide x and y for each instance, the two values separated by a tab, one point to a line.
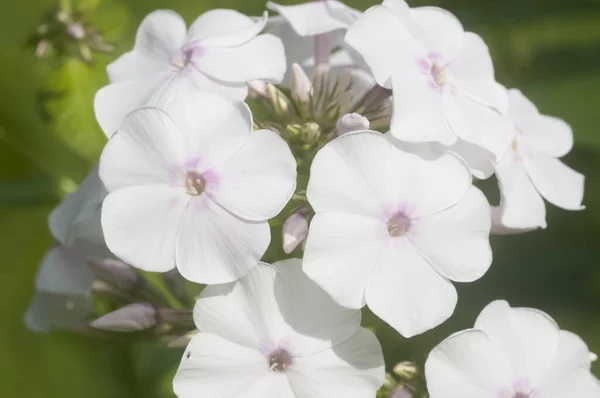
225	28
523	113
160	35
551	136
438	31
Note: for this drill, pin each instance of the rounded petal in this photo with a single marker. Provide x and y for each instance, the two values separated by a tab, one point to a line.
438	31
213	128
456	241
259	180
418	107
346	175
341	252
551	136
556	182
500	229
354	368
225	28
315	321
467	365
244	312
573	356
523	113
529	338
160	35
579	384
473	74
64	270
48	311
481	162
215	246
231	91
262	58
145	150
386	46
407	293
215	367
140	225
315	18
134	65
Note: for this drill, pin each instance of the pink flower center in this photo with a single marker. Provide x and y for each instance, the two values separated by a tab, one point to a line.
186	56
279	360
194	183
398	224
439	74
521	395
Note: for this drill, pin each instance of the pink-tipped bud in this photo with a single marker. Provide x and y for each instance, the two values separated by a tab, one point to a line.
116	272
131	318
258	88
401	392
295	230
301	84
351	122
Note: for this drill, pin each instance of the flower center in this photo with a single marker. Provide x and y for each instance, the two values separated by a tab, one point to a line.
194	184
185	57
279	361
439	74
398	225
521	395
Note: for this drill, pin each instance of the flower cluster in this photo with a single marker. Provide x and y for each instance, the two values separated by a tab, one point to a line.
221	133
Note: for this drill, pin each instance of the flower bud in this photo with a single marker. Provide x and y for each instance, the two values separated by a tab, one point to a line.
401	392
351	122
131	318
295	230
301	84
116	272
258	88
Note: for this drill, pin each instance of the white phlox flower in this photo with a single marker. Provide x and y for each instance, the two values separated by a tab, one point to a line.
220	53
392	229
194	186
531	170
442	78
276	334
511	353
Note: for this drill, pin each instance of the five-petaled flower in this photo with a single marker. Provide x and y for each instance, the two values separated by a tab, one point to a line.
193	186
276	334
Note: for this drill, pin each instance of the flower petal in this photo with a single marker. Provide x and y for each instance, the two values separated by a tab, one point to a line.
522	206
215	367
572	356
64	270
160	35
341	252
243	312
214	246
551	136
579	384
528	337
225	28
456	241
146	149
438	31
47	311
500	229
262	58
134	65
386	46
353	368
481	162
311	19
404	278
259	180
346	175
213	128
231	91
467	365
140	225
557	183
473	74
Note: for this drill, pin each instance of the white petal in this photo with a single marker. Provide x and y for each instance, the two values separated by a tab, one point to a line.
214	367
558	183
456	241
140	225
407	293
341	252
528	337
579	384
522	206
134	65
244	312
572	357
500	229
214	246
64	270
551	136
213	128
145	150
439	31
467	365
231	91
160	35
473	72
419	114
315	320
314	18
386	46
225	28
259	180
481	162
262	58
523	113
48	311
353	368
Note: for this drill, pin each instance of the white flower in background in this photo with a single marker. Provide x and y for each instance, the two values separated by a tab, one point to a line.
393	229
511	353
442	77
220	53
193	186
531	170
275	334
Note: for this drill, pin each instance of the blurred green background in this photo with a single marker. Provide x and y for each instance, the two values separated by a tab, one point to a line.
49	139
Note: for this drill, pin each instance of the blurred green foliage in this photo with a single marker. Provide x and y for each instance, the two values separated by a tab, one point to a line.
49	140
